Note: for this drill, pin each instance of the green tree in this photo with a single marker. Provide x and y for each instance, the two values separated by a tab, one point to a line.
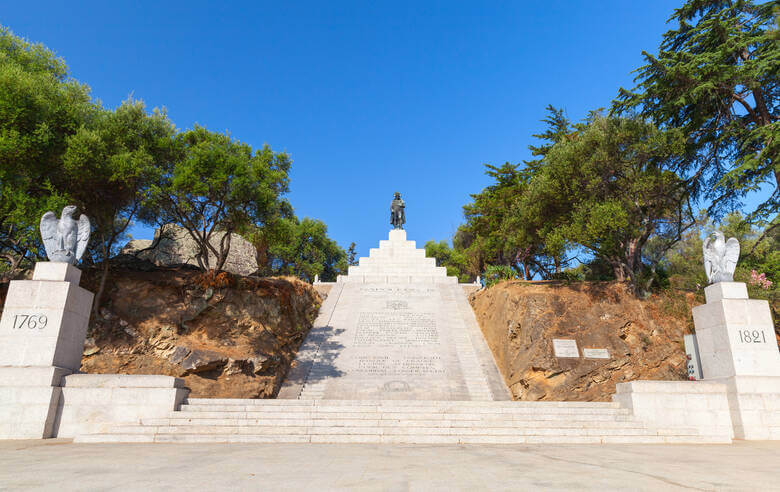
110	167
219	184
453	260
615	185
352	256
488	234
306	250
40	107
716	78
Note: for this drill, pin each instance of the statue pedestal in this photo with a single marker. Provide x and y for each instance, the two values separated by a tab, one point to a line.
42	332
738	348
736	335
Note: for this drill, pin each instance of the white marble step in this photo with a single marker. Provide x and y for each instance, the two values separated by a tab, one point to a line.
404	403
393	430
393	439
411	413
391	421
348	422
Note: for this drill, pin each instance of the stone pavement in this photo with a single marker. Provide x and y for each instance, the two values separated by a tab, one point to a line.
61	465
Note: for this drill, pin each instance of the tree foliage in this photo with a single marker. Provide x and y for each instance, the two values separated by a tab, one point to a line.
40	107
715	77
453	260
305	250
614	185
215	183
127	165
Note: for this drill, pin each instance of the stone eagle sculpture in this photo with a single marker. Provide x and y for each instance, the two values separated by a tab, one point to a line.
720	258
65	239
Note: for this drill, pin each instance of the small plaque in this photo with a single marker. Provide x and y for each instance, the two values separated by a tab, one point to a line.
591	353
565	348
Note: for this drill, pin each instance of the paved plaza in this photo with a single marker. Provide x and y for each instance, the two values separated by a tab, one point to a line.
57	464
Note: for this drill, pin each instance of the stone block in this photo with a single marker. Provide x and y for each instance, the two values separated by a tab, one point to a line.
28	412
736	338
56	271
44	323
725	290
92	403
31	376
701	405
121	381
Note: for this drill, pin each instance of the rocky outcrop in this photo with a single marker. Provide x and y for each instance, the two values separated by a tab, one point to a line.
177	247
644	338
227	336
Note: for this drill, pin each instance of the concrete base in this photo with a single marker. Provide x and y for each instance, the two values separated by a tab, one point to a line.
42	333
678	405
754	404
735	334
740	392
90	403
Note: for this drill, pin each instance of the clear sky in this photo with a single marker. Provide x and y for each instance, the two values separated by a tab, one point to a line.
367	97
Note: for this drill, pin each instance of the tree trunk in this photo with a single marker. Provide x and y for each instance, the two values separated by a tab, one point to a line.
224	249
99	294
262	257
617	268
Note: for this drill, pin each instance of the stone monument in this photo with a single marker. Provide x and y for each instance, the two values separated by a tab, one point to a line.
737	345
396	327
42	330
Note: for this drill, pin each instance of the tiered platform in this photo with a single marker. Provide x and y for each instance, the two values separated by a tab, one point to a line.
397	260
232	420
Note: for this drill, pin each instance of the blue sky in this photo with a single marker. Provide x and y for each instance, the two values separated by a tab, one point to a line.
367	97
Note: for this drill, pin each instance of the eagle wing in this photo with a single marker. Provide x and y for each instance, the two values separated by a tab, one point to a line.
710	258
49	223
83	236
731	256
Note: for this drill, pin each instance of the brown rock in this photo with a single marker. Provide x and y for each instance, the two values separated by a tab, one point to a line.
259	323
177	247
202	361
520	320
179	354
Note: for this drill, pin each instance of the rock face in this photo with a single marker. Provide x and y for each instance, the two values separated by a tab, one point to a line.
177	248
227	336
520	321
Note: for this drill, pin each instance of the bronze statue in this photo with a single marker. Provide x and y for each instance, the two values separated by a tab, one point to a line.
397	214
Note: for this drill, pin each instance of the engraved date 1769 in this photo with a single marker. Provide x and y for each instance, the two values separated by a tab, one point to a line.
30	321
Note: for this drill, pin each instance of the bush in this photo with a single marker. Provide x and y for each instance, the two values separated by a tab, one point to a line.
497	273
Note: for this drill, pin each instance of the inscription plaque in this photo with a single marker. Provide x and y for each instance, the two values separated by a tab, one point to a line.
385	365
565	348
398	328
591	353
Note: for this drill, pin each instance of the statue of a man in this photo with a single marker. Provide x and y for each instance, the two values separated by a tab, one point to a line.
397	214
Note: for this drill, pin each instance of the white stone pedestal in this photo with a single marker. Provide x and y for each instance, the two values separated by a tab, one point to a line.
42	333
738	348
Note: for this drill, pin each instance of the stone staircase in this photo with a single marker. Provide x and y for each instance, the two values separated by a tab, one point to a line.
397	260
352	421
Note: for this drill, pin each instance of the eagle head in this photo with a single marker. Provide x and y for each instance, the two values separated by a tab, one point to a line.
69	210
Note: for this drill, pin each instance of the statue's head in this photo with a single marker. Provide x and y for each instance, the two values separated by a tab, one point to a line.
397	194
69	210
